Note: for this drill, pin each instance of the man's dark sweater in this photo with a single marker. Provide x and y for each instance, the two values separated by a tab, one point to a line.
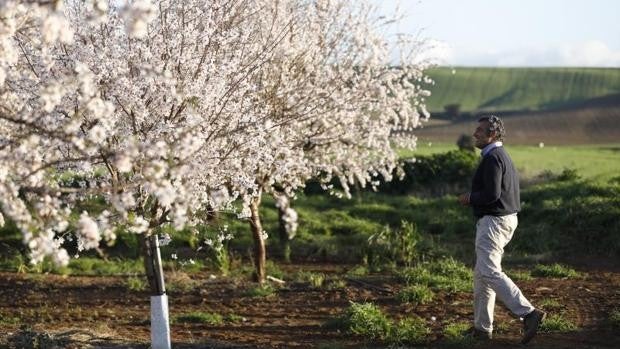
495	187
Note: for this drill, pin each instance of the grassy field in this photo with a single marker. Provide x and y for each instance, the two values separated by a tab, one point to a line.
598	163
493	89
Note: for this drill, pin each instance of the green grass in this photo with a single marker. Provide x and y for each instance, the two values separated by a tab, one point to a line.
359	270
412	330
201	318
234	318
135	283
314	279
368	321
599	163
519	88
519	275
454	335
549	303
416	294
444	274
557	323
554	271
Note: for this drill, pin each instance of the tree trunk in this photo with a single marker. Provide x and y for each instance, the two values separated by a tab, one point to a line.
260	254
160	322
152	264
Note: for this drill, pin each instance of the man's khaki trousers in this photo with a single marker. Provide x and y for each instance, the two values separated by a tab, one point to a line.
492	235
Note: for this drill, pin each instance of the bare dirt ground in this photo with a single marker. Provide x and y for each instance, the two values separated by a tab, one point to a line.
51	311
594	121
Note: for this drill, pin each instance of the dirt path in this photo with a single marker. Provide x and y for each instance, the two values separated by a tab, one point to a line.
100	312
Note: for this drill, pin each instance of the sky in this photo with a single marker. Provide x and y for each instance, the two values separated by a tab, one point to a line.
509	33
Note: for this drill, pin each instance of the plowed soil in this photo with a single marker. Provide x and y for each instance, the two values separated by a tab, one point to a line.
101	312
593	122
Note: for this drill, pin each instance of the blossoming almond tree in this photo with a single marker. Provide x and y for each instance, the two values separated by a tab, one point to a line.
166	109
151	105
333	76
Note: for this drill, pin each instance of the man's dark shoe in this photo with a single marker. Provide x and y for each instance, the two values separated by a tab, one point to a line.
531	323
478	334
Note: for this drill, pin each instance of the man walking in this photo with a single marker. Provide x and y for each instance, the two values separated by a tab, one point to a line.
495	200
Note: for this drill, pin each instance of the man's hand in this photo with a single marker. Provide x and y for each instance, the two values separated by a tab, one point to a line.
464	199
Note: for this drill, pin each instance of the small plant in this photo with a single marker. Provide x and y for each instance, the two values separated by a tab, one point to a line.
363	319
337	284
368	320
234	318
410	331
557	323
135	283
554	271
417	294
201	317
359	270
9	320
315	279
614	318
568	174
455	334
264	290
393	246
550	303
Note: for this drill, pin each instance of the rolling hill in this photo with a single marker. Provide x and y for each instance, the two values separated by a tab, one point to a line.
519	89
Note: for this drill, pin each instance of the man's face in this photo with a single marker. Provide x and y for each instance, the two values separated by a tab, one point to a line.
482	136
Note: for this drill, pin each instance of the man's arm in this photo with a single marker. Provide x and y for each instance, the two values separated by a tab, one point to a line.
492	184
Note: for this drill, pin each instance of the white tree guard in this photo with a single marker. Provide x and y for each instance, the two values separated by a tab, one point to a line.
160	328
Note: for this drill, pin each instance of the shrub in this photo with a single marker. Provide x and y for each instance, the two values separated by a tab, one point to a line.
393	247
554	271
453	110
437	174
568	174
570	217
416	294
466	142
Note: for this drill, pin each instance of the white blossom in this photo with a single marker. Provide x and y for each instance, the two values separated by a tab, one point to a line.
88	233
55	27
139	225
137	17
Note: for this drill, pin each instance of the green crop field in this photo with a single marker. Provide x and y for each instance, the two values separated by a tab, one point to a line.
494	89
599	163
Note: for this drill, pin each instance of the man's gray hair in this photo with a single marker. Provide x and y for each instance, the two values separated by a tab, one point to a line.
495	125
